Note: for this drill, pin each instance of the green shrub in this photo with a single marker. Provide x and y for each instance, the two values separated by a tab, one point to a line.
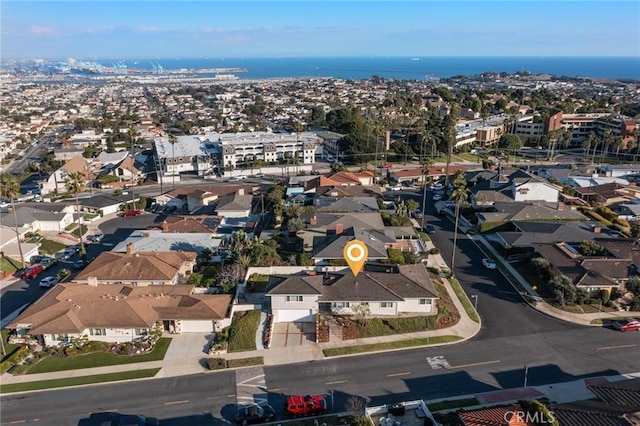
434	250
216	363
604	296
395	256
597	217
606	212
621	222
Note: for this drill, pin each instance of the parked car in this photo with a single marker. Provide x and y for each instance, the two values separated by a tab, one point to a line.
417	214
305	405
626	325
63	255
136	420
430	229
132	213
396	188
96	238
254	414
259	175
241	177
48	262
48	282
450	204
32	272
437	197
489	264
436	187
36	259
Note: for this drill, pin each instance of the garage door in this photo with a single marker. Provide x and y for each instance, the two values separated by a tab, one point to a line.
197	326
291	315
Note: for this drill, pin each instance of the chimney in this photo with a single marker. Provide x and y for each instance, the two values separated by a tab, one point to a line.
597	229
339	228
314	220
145	235
560	207
241	191
130	248
165	226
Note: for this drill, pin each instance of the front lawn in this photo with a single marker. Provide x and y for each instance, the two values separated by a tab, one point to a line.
9	266
50	247
76	381
401	344
244	328
8	347
257	283
98	359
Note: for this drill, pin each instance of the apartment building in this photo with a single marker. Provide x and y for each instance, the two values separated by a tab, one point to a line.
215	152
582	124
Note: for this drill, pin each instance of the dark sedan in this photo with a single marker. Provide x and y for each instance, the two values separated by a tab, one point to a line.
254	414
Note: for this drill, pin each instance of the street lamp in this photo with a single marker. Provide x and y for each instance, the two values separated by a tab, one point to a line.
475	301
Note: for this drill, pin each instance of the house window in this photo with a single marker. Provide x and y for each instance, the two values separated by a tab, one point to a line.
98	332
61	337
340	304
141	331
386	304
294	298
424	301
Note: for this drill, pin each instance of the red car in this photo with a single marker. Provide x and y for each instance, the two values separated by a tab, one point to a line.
32	272
626	325
305	405
132	213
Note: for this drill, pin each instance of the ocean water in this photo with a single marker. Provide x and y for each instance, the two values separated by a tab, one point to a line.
402	68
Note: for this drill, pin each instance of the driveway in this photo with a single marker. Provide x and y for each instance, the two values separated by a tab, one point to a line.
288	334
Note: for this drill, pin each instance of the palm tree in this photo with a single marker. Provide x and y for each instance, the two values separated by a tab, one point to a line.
10	188
607	139
133	134
450	139
425	172
75	183
172	141
586	144
459	195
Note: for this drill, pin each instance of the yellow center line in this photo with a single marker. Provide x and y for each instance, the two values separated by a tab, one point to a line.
475	364
337	382
406	373
604	348
177	402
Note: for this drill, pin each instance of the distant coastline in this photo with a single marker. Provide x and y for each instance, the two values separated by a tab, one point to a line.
401	68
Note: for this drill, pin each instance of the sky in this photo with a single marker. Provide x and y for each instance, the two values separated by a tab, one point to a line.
90	29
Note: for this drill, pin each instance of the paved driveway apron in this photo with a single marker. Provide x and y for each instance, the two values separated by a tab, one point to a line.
288	334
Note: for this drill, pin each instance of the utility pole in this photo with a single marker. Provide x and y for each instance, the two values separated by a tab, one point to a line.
526	374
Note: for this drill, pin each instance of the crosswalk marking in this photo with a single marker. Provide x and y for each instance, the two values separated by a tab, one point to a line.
437	362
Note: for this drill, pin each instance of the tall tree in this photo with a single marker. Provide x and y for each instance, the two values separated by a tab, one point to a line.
10	188
586	144
133	134
75	184
459	195
450	138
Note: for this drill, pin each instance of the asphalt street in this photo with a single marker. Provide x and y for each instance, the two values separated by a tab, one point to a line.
513	336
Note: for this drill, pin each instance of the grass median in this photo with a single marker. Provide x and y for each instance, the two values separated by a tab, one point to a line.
462	296
76	381
98	359
401	344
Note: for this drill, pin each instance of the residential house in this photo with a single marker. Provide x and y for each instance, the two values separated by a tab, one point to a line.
615	404
346	204
138	268
189	224
40	217
237	205
517	186
340	179
525	233
9	246
120	313
504	212
331	248
200	198
155	240
593	273
56	183
391	291
511	415
608	193
105	204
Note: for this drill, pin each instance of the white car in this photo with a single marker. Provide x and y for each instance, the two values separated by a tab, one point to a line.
489	264
396	188
437	187
437	197
48	282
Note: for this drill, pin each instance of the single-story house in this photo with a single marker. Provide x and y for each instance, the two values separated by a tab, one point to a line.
40	217
154	240
388	291
120	313
235	205
138	268
9	245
